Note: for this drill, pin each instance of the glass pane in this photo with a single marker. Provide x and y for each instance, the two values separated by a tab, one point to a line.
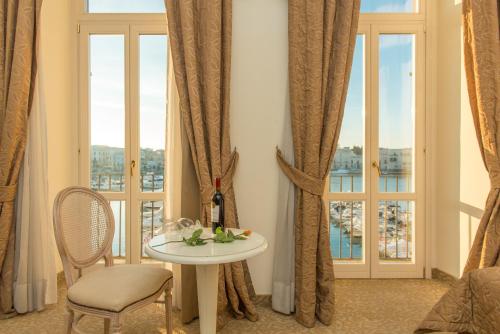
395	227
388	6
107	112
126	6
151	219
396	113
346	230
153	110
118	247
346	174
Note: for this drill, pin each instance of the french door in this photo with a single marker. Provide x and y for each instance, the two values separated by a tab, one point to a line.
377	178
123	124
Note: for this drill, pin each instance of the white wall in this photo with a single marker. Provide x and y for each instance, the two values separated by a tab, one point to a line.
57	63
258	106
462	181
259	101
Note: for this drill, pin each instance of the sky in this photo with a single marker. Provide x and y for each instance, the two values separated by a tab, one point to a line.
158	6
126	6
153	88
385	6
107	90
396	96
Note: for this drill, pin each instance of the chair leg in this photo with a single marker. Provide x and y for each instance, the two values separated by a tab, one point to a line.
168	310
107	323
70	317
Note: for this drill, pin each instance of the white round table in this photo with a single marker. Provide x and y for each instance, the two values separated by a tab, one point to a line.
207	259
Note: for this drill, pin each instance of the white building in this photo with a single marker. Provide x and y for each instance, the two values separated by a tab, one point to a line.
346	159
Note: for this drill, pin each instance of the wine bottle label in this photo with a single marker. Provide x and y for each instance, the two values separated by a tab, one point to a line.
215	213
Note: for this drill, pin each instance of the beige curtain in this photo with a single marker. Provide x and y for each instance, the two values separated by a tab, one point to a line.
18	33
321	44
471	306
482	67
200	38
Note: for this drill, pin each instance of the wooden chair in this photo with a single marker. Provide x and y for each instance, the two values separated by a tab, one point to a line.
84	229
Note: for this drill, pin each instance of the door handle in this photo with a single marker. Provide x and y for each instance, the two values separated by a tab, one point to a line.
376	165
132	166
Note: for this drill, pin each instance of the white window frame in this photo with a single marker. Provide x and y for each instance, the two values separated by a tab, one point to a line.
131	25
84	16
370	25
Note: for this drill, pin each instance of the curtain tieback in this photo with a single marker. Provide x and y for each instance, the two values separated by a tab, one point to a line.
8	193
226	181
302	180
495	180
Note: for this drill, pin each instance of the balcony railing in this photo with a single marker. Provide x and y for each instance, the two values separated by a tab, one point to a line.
399	180
151	221
354	182
116	182
151	212
395	230
107	182
346	229
395	219
118	241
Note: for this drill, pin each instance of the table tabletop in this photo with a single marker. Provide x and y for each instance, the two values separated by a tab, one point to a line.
210	253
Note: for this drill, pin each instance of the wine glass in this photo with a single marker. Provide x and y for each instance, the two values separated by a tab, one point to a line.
183	227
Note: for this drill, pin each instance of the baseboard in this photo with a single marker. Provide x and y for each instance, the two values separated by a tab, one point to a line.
440	275
263	300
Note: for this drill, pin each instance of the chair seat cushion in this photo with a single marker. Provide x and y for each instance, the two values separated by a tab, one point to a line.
117	287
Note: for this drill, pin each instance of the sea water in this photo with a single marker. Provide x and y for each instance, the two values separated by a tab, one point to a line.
341	242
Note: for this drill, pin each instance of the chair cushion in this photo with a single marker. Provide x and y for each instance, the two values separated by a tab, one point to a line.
117	287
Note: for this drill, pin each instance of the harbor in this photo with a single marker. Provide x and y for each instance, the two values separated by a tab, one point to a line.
395	220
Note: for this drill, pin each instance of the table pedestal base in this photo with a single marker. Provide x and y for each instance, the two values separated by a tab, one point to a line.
207	281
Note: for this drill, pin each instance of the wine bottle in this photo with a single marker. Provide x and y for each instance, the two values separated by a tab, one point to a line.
217	207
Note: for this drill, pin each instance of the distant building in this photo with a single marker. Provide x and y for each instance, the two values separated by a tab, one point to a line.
107	159
111	160
153	161
346	159
395	160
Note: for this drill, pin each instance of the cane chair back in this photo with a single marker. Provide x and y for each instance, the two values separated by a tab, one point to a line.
84	228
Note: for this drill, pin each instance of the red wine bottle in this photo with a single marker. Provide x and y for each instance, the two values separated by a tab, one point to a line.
217	207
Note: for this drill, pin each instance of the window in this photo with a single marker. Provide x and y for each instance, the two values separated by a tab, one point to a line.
389	6
376	183
125	6
123	116
107	112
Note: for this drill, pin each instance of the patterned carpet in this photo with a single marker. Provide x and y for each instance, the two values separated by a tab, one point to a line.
362	306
